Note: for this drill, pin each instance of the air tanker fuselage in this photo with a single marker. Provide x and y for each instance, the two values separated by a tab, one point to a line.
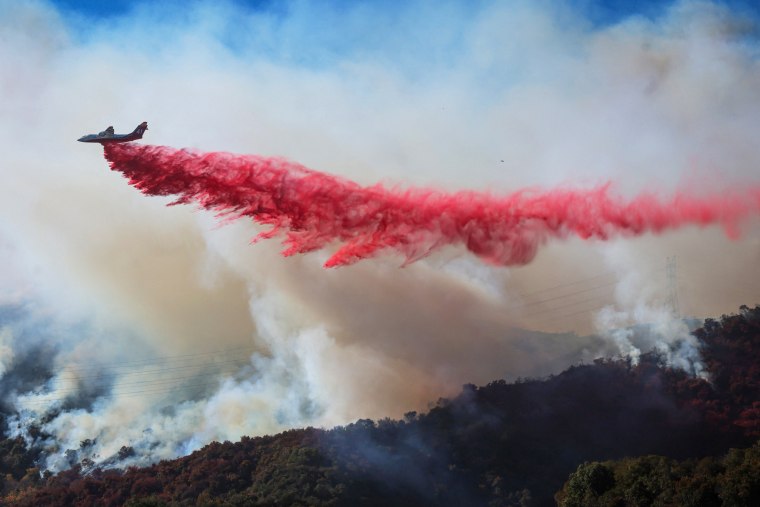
108	136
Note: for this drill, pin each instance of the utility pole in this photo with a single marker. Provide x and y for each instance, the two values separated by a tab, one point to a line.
672	274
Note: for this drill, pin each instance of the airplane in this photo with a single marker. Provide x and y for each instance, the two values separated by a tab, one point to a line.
108	136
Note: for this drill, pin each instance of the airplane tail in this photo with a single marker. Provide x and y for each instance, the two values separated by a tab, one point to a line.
141	128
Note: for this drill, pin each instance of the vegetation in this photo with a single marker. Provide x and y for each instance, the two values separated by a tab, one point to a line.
17	465
731	481
503	444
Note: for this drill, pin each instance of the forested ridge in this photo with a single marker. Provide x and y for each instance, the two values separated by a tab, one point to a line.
607	433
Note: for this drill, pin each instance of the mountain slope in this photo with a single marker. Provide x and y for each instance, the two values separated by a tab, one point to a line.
497	445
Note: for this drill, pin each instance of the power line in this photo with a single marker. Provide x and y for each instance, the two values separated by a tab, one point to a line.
572	303
555	317
568	284
147	372
148	386
569	294
164	384
583	291
156	381
157	390
585	310
160	360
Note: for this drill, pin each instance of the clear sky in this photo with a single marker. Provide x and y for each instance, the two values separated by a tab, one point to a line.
599	12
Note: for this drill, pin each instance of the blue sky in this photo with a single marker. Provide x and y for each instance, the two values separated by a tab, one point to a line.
598	11
324	32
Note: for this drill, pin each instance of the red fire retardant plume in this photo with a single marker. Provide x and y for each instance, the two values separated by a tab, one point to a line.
314	209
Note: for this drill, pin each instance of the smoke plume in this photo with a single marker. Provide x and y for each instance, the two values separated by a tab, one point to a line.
315	209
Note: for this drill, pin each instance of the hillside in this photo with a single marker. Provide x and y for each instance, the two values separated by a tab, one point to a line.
733	479
502	444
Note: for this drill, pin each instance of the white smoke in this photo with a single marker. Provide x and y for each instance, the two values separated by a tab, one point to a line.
642	319
6	349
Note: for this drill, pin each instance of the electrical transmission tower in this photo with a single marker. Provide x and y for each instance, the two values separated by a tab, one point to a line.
672	274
